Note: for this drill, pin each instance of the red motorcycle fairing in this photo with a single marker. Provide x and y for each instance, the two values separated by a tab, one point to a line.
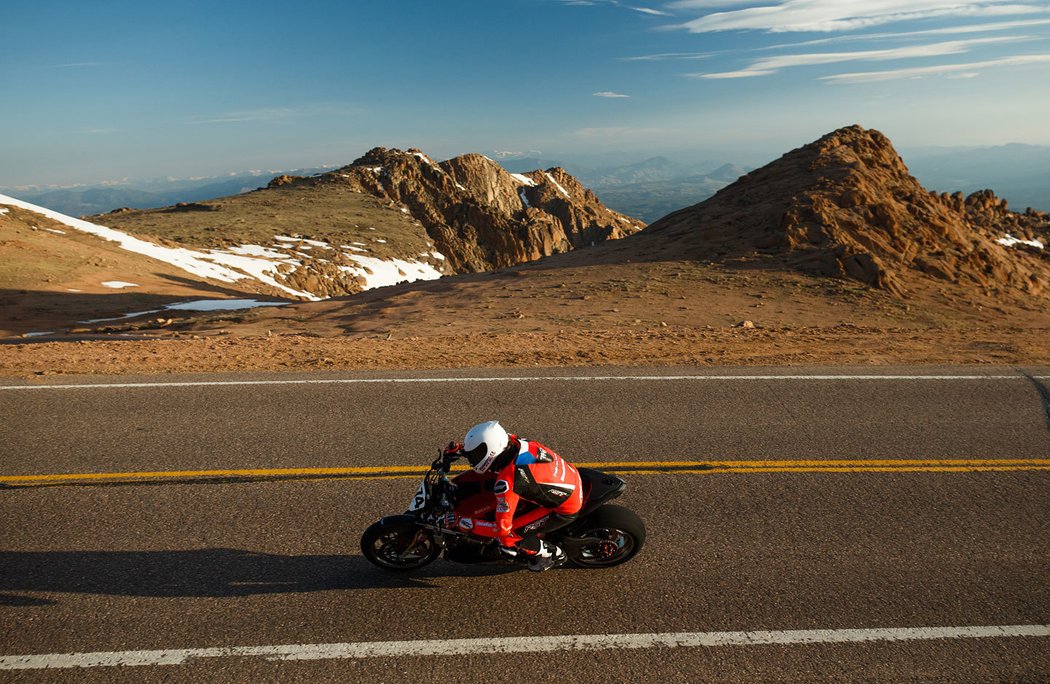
476	511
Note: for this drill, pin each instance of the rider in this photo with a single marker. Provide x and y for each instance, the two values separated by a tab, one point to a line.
527	470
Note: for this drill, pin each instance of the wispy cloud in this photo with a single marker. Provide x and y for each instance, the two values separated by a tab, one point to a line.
969	70
616	3
772	65
649	10
903	35
609	94
260	115
663	56
836	15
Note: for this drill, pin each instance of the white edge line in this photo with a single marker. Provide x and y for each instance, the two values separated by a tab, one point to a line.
537	378
529	644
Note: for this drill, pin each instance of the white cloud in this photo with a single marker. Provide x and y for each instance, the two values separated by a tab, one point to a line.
650	11
836	15
667	55
616	3
959	70
945	30
771	65
610	94
710	4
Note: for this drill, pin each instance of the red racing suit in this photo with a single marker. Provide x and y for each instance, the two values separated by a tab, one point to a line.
539	475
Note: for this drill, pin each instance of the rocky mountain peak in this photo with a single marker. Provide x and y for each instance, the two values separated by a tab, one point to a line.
480	216
846	206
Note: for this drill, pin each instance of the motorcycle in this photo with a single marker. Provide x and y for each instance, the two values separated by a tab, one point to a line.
445	514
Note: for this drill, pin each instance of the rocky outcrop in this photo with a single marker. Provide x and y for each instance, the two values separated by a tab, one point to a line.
283	179
480	216
846	206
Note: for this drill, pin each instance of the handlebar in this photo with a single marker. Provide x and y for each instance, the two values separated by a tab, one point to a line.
444	460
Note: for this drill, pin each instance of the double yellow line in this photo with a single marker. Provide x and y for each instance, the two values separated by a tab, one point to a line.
965	465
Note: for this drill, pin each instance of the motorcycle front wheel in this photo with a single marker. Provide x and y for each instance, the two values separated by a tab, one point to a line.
610	535
399	546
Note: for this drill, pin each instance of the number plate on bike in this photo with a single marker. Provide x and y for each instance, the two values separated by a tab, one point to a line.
420	499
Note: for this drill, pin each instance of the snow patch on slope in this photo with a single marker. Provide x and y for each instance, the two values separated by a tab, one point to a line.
213	265
254	261
1011	241
556	183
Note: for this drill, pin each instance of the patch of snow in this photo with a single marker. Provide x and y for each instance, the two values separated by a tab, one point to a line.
556	184
381	272
524	199
188	260
3	211
69	289
256	251
438	255
220	305
118	284
1011	241
524	180
312	243
260	269
55	230
375	169
460	186
195	305
404	210
133	314
380	240
33	334
428	160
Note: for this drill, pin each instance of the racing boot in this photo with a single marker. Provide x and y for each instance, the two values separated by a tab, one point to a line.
549	556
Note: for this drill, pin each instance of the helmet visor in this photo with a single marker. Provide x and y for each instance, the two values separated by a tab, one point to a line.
475	455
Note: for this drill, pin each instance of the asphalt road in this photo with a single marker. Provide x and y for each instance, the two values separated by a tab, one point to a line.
179	564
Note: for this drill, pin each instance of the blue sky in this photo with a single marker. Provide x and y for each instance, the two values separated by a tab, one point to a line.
98	91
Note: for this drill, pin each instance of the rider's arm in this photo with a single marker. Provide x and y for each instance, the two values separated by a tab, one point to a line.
506	503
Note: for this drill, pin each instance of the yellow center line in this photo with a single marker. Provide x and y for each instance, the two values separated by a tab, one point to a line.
626	467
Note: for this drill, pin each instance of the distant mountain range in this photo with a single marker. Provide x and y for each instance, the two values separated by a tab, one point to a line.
1018	173
147	193
654	187
647	189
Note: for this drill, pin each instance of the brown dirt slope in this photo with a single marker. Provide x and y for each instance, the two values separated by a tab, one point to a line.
333	214
846	206
51	277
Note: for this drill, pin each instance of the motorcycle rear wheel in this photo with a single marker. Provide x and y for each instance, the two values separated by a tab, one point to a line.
399	546
618	535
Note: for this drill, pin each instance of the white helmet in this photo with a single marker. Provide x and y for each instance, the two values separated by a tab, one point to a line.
483	443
